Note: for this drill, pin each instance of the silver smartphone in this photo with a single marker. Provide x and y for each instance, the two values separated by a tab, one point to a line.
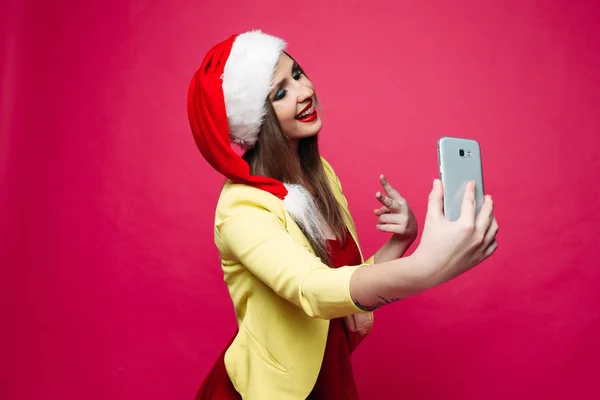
460	162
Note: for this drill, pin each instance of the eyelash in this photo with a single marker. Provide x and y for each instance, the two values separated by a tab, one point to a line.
296	74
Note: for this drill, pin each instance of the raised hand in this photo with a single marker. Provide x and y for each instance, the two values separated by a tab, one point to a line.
395	216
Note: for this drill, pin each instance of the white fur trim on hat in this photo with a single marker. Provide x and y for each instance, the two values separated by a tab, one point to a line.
247	81
304	211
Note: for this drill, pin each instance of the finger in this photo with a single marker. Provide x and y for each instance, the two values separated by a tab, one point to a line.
484	218
468	209
491	249
389	189
381	211
435	203
392	228
491	233
388	202
397	219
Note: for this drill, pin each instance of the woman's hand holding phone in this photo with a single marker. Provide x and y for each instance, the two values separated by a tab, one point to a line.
447	249
450	248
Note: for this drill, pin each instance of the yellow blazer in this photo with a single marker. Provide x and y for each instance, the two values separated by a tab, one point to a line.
282	293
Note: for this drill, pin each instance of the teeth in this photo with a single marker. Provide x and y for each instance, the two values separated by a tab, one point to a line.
307	112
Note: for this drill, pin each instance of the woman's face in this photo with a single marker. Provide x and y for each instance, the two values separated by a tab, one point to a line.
293	99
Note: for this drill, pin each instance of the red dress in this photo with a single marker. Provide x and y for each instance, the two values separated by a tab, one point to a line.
335	380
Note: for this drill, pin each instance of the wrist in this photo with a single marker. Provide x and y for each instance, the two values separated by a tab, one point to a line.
402	241
423	270
392	249
400	244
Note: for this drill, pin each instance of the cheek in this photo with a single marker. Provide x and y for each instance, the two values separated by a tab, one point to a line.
286	114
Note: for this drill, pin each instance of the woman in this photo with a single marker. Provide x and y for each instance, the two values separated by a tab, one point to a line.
302	292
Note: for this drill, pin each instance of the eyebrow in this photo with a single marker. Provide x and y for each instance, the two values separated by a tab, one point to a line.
282	82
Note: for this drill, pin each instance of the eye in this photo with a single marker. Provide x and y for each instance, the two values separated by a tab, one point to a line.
296	73
280	94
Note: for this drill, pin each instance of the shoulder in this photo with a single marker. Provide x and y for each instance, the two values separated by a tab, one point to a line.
237	197
327	166
331	175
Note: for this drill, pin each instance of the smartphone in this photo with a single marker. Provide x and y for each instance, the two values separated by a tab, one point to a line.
460	162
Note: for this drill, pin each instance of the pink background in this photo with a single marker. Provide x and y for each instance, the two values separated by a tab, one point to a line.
111	287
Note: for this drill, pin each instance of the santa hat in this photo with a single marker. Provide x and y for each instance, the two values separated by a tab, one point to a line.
227	103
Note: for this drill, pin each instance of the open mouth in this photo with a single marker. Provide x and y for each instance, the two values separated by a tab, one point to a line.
308	114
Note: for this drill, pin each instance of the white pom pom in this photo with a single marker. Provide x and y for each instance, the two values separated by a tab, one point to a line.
303	209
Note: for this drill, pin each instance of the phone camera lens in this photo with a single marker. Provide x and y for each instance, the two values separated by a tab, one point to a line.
461	153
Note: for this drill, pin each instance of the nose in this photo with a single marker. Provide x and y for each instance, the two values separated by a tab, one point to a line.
305	92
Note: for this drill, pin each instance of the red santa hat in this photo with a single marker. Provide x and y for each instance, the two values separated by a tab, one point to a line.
227	104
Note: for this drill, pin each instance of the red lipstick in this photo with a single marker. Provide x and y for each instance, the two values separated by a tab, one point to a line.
307	118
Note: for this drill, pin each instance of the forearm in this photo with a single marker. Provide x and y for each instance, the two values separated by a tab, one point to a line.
373	286
393	249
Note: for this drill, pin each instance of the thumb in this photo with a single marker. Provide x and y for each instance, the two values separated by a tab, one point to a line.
435	205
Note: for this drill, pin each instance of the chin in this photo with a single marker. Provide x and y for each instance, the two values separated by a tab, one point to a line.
304	134
312	132
308	135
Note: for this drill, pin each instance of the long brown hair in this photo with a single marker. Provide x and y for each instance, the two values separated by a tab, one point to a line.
273	155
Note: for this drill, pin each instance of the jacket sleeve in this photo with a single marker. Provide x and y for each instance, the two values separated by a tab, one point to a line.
250	228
